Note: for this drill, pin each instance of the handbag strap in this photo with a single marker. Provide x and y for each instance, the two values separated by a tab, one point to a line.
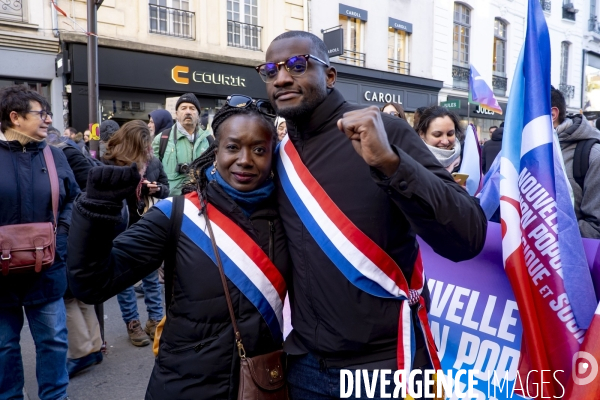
236	331
173	240
51	167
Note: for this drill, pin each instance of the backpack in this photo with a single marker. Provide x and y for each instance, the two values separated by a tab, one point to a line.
581	160
93	162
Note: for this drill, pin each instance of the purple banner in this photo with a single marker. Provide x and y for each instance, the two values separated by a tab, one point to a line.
474	317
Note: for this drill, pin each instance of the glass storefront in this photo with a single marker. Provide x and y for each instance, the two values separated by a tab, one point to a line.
591	100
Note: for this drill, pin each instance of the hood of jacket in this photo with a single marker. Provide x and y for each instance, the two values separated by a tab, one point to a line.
576	128
162	120
497	134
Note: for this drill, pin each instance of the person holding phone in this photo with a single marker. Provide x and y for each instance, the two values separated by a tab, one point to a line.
440	129
133	144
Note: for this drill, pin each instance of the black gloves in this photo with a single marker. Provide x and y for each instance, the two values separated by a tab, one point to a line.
111	183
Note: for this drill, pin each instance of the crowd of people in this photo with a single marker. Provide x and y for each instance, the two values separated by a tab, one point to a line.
304	194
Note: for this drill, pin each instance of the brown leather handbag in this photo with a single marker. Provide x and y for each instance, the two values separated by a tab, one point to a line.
31	247
261	377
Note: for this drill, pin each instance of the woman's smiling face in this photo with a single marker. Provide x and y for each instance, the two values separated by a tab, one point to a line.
245	151
441	133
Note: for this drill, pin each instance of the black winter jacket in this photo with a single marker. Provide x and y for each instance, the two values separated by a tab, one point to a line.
25	197
490	150
332	318
197	356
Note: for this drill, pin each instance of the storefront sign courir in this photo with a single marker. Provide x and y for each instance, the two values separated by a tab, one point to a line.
382	97
205	77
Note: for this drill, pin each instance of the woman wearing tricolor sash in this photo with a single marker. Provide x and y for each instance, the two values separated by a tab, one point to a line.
231	186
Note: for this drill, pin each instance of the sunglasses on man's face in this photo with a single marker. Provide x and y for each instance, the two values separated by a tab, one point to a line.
243	101
295	66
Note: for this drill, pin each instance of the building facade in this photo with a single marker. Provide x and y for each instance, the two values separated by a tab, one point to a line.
28	47
152	51
591	59
433	42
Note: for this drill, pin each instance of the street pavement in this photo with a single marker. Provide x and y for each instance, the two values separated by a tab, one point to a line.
122	375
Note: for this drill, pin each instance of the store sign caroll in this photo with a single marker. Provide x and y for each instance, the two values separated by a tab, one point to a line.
179	72
381	97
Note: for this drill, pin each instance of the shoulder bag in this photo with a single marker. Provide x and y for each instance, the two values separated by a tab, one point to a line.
261	377
31	247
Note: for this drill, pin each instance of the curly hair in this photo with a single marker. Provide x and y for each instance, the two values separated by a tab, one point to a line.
198	181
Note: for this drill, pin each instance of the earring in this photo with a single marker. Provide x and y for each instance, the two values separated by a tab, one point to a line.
214	170
272	175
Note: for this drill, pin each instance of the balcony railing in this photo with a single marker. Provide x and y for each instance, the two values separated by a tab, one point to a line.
171	21
460	76
400	67
567	90
353	58
11	10
243	35
546	5
499	85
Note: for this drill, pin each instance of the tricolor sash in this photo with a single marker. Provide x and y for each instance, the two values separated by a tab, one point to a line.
366	265
244	262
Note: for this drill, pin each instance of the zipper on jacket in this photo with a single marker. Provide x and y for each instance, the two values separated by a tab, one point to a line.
196	347
24	149
272	241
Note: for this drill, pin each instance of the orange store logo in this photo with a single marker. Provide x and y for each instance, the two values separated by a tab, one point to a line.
178	69
210	78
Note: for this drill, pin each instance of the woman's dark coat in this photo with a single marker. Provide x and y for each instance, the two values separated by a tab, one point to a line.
197	356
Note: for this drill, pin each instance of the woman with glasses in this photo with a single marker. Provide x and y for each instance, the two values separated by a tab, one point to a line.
232	183
394	109
26	198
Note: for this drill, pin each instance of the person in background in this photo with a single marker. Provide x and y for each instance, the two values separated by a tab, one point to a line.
185	143
159	120
197	356
571	129
84	336
281	128
86	138
107	129
417	116
441	131
491	148
394	109
69	132
132	143
26	197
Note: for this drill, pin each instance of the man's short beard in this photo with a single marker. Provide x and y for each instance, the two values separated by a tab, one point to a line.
313	100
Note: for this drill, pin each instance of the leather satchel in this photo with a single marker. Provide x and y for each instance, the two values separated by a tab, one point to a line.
31	247
261	377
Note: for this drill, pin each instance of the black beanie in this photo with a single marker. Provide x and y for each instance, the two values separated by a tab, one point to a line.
188	98
107	129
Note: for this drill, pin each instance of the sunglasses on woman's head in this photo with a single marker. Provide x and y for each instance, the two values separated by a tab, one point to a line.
295	66
243	101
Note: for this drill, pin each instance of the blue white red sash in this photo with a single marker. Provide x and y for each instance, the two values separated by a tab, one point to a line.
244	262
359	259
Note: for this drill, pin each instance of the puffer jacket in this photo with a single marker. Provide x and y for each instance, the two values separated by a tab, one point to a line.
184	152
197	356
25	197
587	199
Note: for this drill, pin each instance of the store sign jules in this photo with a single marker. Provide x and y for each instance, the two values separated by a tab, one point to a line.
382	97
480	110
181	74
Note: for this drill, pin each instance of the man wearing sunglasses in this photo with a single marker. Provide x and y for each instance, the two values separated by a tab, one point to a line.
387	185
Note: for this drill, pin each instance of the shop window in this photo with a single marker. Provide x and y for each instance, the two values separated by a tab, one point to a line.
172	18
242	24
13	10
353	41
499	81
461	46
567	90
398	51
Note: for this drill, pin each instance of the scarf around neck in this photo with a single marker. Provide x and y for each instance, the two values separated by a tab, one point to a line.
445	157
248	201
